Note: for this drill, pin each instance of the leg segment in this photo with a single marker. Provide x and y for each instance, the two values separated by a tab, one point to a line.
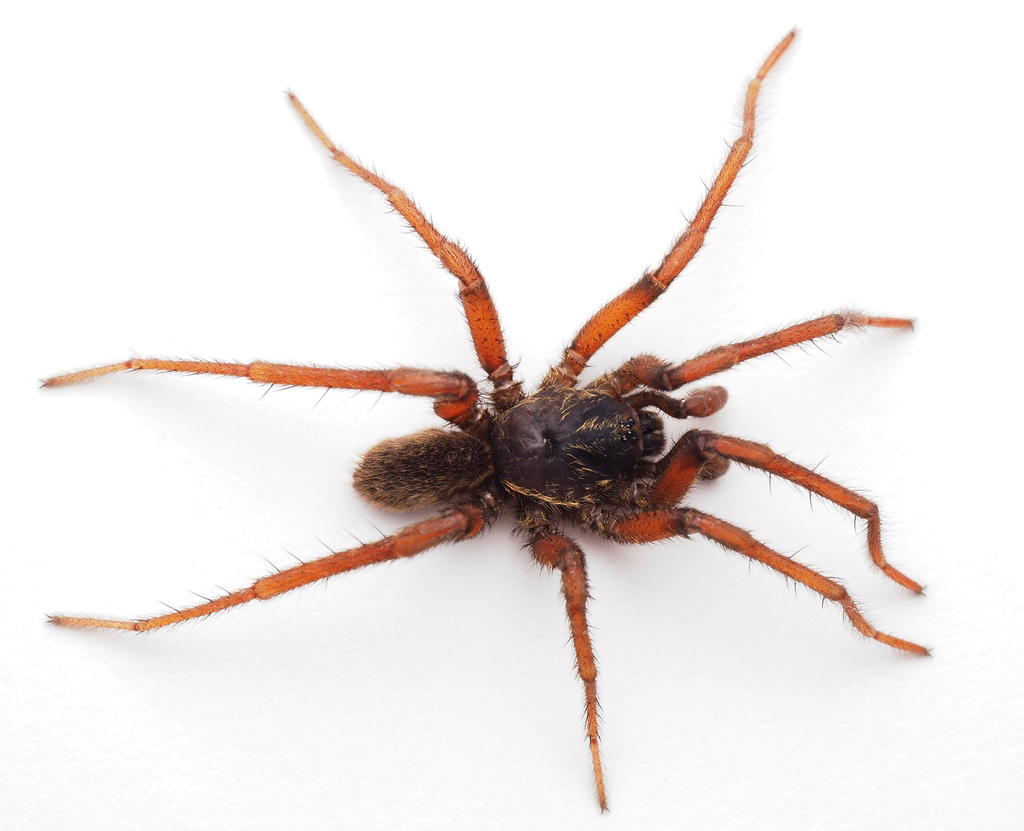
697	404
455	393
683	465
762	457
648	371
659	525
647	289
553	550
455	524
484	325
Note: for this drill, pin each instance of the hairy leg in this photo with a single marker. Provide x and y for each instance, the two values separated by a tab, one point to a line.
663	524
762	457
617	313
676	471
649	371
455	394
482	316
455	524
697	404
556	551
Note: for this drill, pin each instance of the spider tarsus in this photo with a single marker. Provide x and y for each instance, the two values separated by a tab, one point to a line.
898	576
602	798
907	647
70	622
85	375
889	322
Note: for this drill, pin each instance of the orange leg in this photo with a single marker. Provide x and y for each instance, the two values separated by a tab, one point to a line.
484	325
697	404
659	525
648	371
678	469
616	314
554	550
455	392
764	458
455	524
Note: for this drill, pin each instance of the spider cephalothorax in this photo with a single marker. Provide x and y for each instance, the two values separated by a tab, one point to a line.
568	447
563	456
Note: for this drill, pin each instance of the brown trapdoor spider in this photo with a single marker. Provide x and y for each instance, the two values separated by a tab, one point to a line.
591	457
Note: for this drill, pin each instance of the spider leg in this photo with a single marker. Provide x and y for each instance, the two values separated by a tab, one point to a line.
663	524
648	371
762	457
455	393
556	551
455	524
698	450
697	404
677	471
617	313
482	316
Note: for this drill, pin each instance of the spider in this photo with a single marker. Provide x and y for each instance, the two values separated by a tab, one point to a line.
593	457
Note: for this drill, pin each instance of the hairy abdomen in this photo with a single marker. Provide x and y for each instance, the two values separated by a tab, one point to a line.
431	467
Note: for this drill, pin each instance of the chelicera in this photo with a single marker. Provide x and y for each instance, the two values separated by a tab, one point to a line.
563	456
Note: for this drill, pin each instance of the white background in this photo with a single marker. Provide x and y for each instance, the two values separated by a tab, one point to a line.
160	198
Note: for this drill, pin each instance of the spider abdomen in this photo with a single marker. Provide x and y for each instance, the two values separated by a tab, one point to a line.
567	446
428	468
